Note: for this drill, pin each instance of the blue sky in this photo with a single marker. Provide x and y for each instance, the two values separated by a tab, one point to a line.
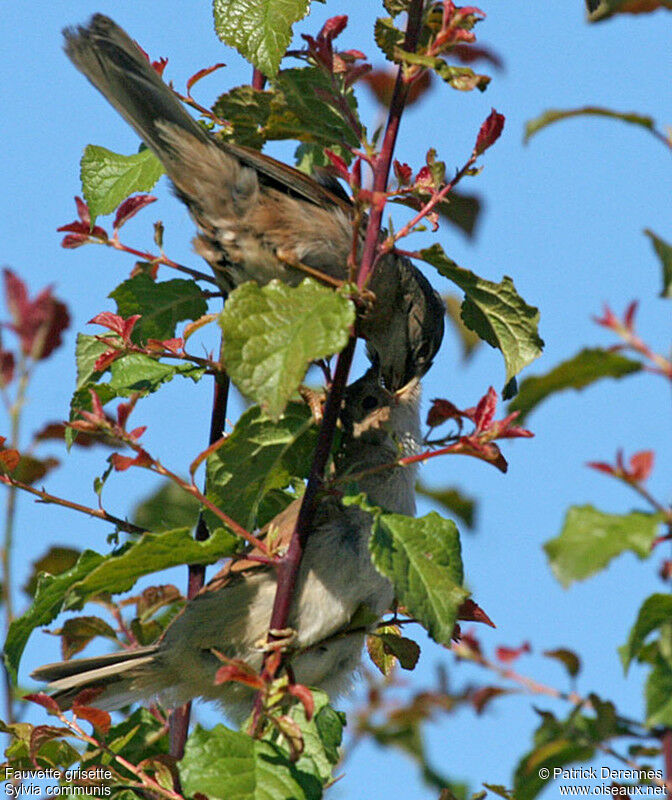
563	216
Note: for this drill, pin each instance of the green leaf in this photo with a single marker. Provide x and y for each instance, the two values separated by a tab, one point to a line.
226	765
405	650
168	507
658	694
150	553
583	369
322	737
260	456
453	500
161	305
46	605
556	744
116	573
463	79
603	9
568	658
664	253
247	110
495	311
87	351
108	178
655	612
260	30
388	38
138	736
298	110
462	210
272	333
136	372
554	115
422	558
590	539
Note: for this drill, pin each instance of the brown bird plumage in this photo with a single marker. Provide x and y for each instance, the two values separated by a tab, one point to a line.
258	218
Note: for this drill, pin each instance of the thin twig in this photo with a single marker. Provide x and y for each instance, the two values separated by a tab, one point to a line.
98	513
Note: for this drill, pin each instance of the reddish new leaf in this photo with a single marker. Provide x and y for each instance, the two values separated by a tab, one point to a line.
9	459
117	324
305	696
38	323
43	700
470	611
100	719
485	410
130	207
641	465
490	131
6	368
508	654
482	697
197	76
441	411
240	673
83	212
122	463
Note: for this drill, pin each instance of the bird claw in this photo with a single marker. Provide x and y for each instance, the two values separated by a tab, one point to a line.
283	638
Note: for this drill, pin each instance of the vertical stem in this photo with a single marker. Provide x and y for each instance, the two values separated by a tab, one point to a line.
258	80
10	518
383	163
179	718
288	568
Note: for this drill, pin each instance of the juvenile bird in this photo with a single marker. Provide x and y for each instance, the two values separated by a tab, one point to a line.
231	614
258	218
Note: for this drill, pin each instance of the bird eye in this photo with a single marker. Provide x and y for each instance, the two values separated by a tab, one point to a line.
369	402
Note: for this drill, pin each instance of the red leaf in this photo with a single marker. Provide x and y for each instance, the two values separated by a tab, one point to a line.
83	212
481	697
43	700
601	466
103	361
201	74
333	27
97	717
122	463
74	241
441	411
305	696
42	734
172	345
239	674
629	317
130	207
485	410
641	465
6	367
339	164
509	654
9	459
117	324
472	612
490	131
75	227
403	173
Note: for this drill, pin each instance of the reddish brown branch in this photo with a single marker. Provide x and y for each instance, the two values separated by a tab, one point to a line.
383	162
179	719
288	567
